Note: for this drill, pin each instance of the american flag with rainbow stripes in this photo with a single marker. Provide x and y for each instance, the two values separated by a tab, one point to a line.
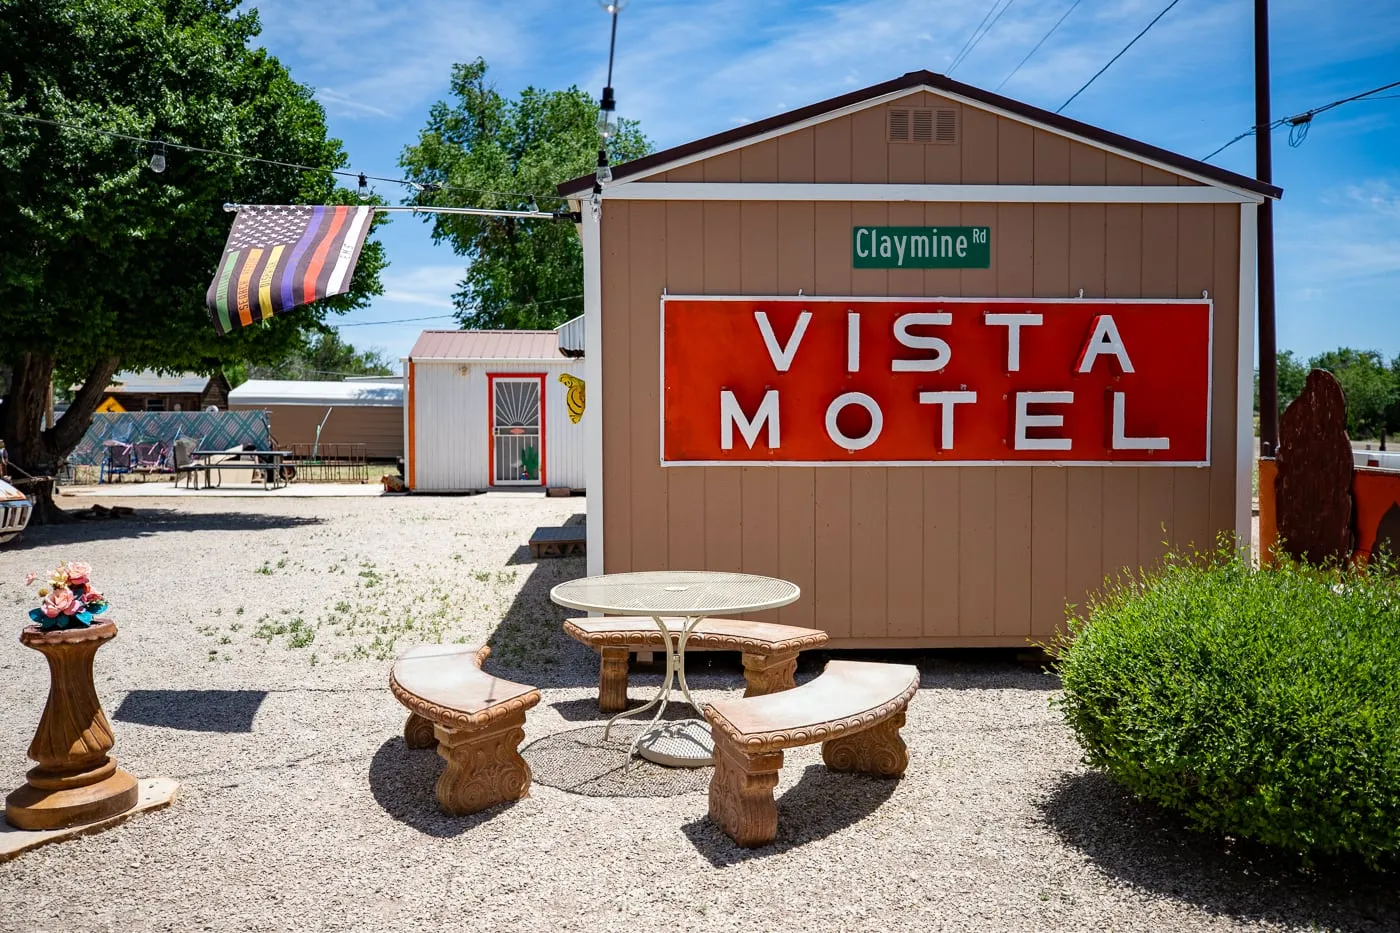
279	256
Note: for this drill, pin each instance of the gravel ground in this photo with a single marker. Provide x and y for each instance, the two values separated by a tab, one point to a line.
251	667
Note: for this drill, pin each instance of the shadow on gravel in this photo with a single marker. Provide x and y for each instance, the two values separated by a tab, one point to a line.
192	710
1151	849
946	668
146	522
819	804
403	781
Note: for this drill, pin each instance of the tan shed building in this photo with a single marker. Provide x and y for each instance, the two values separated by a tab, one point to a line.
368	413
943	359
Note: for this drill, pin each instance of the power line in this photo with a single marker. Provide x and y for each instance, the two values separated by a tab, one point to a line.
346	173
438	317
985	32
968	41
1037	45
403	320
1299	123
1115	58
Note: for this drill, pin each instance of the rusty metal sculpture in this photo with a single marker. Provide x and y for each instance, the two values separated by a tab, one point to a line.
1314	485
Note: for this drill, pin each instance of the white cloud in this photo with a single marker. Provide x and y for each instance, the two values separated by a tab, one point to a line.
386	58
427	286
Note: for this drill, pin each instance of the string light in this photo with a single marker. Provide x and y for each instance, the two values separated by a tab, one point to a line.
159	158
363	190
607	106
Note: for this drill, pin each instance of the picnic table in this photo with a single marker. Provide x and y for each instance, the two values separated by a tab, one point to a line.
692	595
267	461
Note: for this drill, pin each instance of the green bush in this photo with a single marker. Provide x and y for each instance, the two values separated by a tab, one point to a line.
1259	704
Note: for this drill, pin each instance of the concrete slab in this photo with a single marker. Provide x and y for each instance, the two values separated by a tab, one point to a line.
164	489
155	793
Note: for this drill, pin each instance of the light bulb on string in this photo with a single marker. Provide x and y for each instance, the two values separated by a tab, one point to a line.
158	160
612	7
363	190
606	127
533	207
604	173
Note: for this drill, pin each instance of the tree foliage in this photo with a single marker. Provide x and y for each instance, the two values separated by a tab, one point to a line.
103	262
521	273
322	358
1371	386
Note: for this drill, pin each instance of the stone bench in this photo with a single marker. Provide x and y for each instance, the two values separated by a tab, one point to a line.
854	708
769	650
477	722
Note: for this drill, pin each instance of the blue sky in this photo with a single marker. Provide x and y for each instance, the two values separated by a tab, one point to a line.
688	68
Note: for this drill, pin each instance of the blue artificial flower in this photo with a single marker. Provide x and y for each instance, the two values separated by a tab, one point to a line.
84	617
37	615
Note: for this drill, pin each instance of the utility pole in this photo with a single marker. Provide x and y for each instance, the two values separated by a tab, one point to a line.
1264	170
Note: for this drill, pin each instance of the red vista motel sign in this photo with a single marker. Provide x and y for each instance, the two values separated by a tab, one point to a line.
897	381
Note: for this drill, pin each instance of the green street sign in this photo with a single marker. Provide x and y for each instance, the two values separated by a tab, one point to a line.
922	247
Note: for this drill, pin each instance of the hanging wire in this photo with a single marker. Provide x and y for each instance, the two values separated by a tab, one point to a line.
360	177
1299	124
972	35
1165	11
1042	41
985	32
438	317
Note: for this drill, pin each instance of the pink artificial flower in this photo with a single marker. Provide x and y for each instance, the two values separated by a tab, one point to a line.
92	597
30	577
60	601
78	572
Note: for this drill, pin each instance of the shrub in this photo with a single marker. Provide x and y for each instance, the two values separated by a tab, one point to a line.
1259	704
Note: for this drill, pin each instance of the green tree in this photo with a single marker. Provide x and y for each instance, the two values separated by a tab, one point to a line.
521	273
324	357
104	262
1369	386
1292	374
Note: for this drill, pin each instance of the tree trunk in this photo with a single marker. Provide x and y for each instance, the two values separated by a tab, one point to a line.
37	452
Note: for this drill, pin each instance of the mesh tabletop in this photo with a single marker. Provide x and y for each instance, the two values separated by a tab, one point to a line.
678	592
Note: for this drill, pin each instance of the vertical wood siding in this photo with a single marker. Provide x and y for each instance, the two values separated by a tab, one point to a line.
452	430
903	556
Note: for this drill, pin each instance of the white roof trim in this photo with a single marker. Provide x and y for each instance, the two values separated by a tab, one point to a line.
966	194
906	92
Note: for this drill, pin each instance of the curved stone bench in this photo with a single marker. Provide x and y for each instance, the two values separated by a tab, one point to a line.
769	650
854	708
476	720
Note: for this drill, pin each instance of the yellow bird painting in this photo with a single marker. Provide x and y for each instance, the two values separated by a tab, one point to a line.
574	401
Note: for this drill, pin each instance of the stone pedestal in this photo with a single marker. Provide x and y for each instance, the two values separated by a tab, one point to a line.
76	782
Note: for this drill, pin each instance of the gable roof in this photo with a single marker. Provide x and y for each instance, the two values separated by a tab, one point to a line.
486	345
937	83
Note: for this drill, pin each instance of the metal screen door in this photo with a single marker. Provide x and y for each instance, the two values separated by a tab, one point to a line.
516	431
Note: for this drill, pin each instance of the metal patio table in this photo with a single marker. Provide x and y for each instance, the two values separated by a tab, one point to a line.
692	595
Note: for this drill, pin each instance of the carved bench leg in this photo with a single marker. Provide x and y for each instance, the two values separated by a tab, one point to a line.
484	766
612	680
418	732
741	793
769	674
877	750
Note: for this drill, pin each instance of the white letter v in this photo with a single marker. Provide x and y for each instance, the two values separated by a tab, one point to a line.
782	356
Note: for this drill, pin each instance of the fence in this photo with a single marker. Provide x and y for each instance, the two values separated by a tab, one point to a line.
218	430
332	463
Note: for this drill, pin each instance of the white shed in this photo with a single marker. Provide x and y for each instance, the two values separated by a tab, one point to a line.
493	409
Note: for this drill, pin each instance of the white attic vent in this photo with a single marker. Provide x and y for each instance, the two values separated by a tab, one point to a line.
899	126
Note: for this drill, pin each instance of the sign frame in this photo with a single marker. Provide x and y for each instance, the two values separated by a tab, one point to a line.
1205	463
965	236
